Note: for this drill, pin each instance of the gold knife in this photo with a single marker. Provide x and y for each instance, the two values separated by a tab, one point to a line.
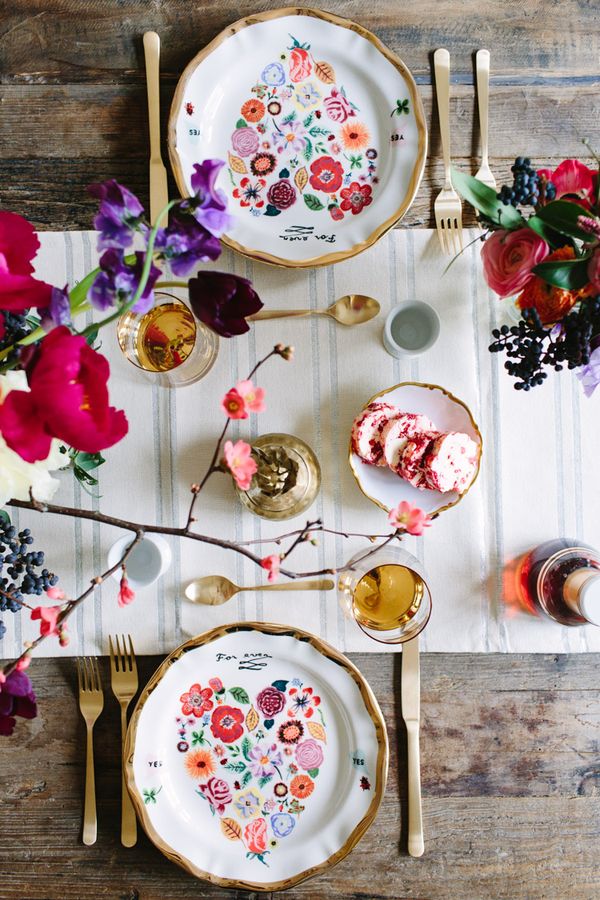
411	703
159	196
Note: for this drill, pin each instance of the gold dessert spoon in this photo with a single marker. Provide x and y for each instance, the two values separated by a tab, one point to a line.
213	590
353	309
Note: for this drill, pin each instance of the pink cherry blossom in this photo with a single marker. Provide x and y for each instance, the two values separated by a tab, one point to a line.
409	518
48	616
253	397
126	594
55	593
509	257
233	405
240	463
23	663
271	564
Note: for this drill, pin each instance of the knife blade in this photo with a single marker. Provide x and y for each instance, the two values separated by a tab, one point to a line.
411	705
159	194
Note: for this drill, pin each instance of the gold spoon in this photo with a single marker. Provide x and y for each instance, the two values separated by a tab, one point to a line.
353	309
216	589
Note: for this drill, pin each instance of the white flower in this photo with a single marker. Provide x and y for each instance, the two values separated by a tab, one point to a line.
17	476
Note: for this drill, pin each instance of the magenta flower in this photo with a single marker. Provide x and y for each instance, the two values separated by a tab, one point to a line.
573	181
253	397
407	517
271	564
18	246
239	462
16	699
48	616
223	301
126	594
233	405
68	399
120	215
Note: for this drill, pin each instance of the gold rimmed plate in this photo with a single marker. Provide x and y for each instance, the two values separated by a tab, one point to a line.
386	489
256	756
321	127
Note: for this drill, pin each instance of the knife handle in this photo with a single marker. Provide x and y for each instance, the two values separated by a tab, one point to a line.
416	845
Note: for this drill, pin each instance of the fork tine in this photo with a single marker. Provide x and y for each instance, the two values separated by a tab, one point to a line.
79	675
126	658
96	683
112	654
442	235
120	655
133	662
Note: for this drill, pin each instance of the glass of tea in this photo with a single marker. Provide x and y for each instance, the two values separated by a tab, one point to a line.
386	594
168	343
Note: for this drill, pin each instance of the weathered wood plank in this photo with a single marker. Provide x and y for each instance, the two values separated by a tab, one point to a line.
534	719
70	40
110	121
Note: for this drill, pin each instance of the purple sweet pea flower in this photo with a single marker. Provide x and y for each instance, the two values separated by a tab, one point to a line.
209	205
222	301
185	242
118	281
16	699
59	310
120	215
589	375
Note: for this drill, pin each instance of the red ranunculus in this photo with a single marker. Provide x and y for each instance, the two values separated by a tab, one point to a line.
326	174
68	399
255	834
226	723
300	64
18	246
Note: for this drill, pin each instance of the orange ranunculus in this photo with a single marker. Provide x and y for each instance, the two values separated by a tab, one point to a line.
253	110
551	303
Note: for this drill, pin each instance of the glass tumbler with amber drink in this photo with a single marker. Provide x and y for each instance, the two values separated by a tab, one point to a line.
386	593
168	343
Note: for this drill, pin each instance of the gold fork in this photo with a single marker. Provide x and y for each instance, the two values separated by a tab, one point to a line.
482	68
91	703
447	206
124	683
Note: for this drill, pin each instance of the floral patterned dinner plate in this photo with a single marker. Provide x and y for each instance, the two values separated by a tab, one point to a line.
321	128
256	756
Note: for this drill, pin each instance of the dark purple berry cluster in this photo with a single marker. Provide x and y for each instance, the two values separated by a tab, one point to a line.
20	567
527	186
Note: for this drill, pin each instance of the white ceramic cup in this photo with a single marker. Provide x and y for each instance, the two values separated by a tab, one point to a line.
145	564
411	328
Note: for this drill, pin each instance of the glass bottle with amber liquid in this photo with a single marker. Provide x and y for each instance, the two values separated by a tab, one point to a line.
561	578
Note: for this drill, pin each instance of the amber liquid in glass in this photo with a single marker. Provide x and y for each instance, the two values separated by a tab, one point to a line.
165	337
551	600
387	597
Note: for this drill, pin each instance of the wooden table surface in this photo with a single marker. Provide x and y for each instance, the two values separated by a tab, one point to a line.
510	744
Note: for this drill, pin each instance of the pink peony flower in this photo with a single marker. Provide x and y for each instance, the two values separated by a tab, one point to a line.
409	518
126	594
18	246
271	564
233	405
572	180
309	754
508	258
240	463
68	399
593	270
48	616
253	397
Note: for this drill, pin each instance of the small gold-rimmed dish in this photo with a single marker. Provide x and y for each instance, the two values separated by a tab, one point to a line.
383	486
321	126
256	756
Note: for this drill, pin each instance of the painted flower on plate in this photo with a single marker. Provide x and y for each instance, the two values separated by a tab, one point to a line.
217	793
200	764
300	64
196	701
337	106
282	824
249	192
308	96
280	789
248	804
264	760
290	732
226	723
273	74
326	174
290	136
282	194
262	164
302	786
309	754
274	107
355	135
303	700
245	141
255	835
253	110
356	197
270	702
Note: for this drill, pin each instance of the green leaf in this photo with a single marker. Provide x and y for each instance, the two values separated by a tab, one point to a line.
265	779
562	216
241	123
307	152
313	772
280	685
268	723
92	336
568	274
239	694
246	747
247	776
272	210
284	173
84	477
198	738
484	199
313	202
236	767
308	120
552	237
4	516
88	461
